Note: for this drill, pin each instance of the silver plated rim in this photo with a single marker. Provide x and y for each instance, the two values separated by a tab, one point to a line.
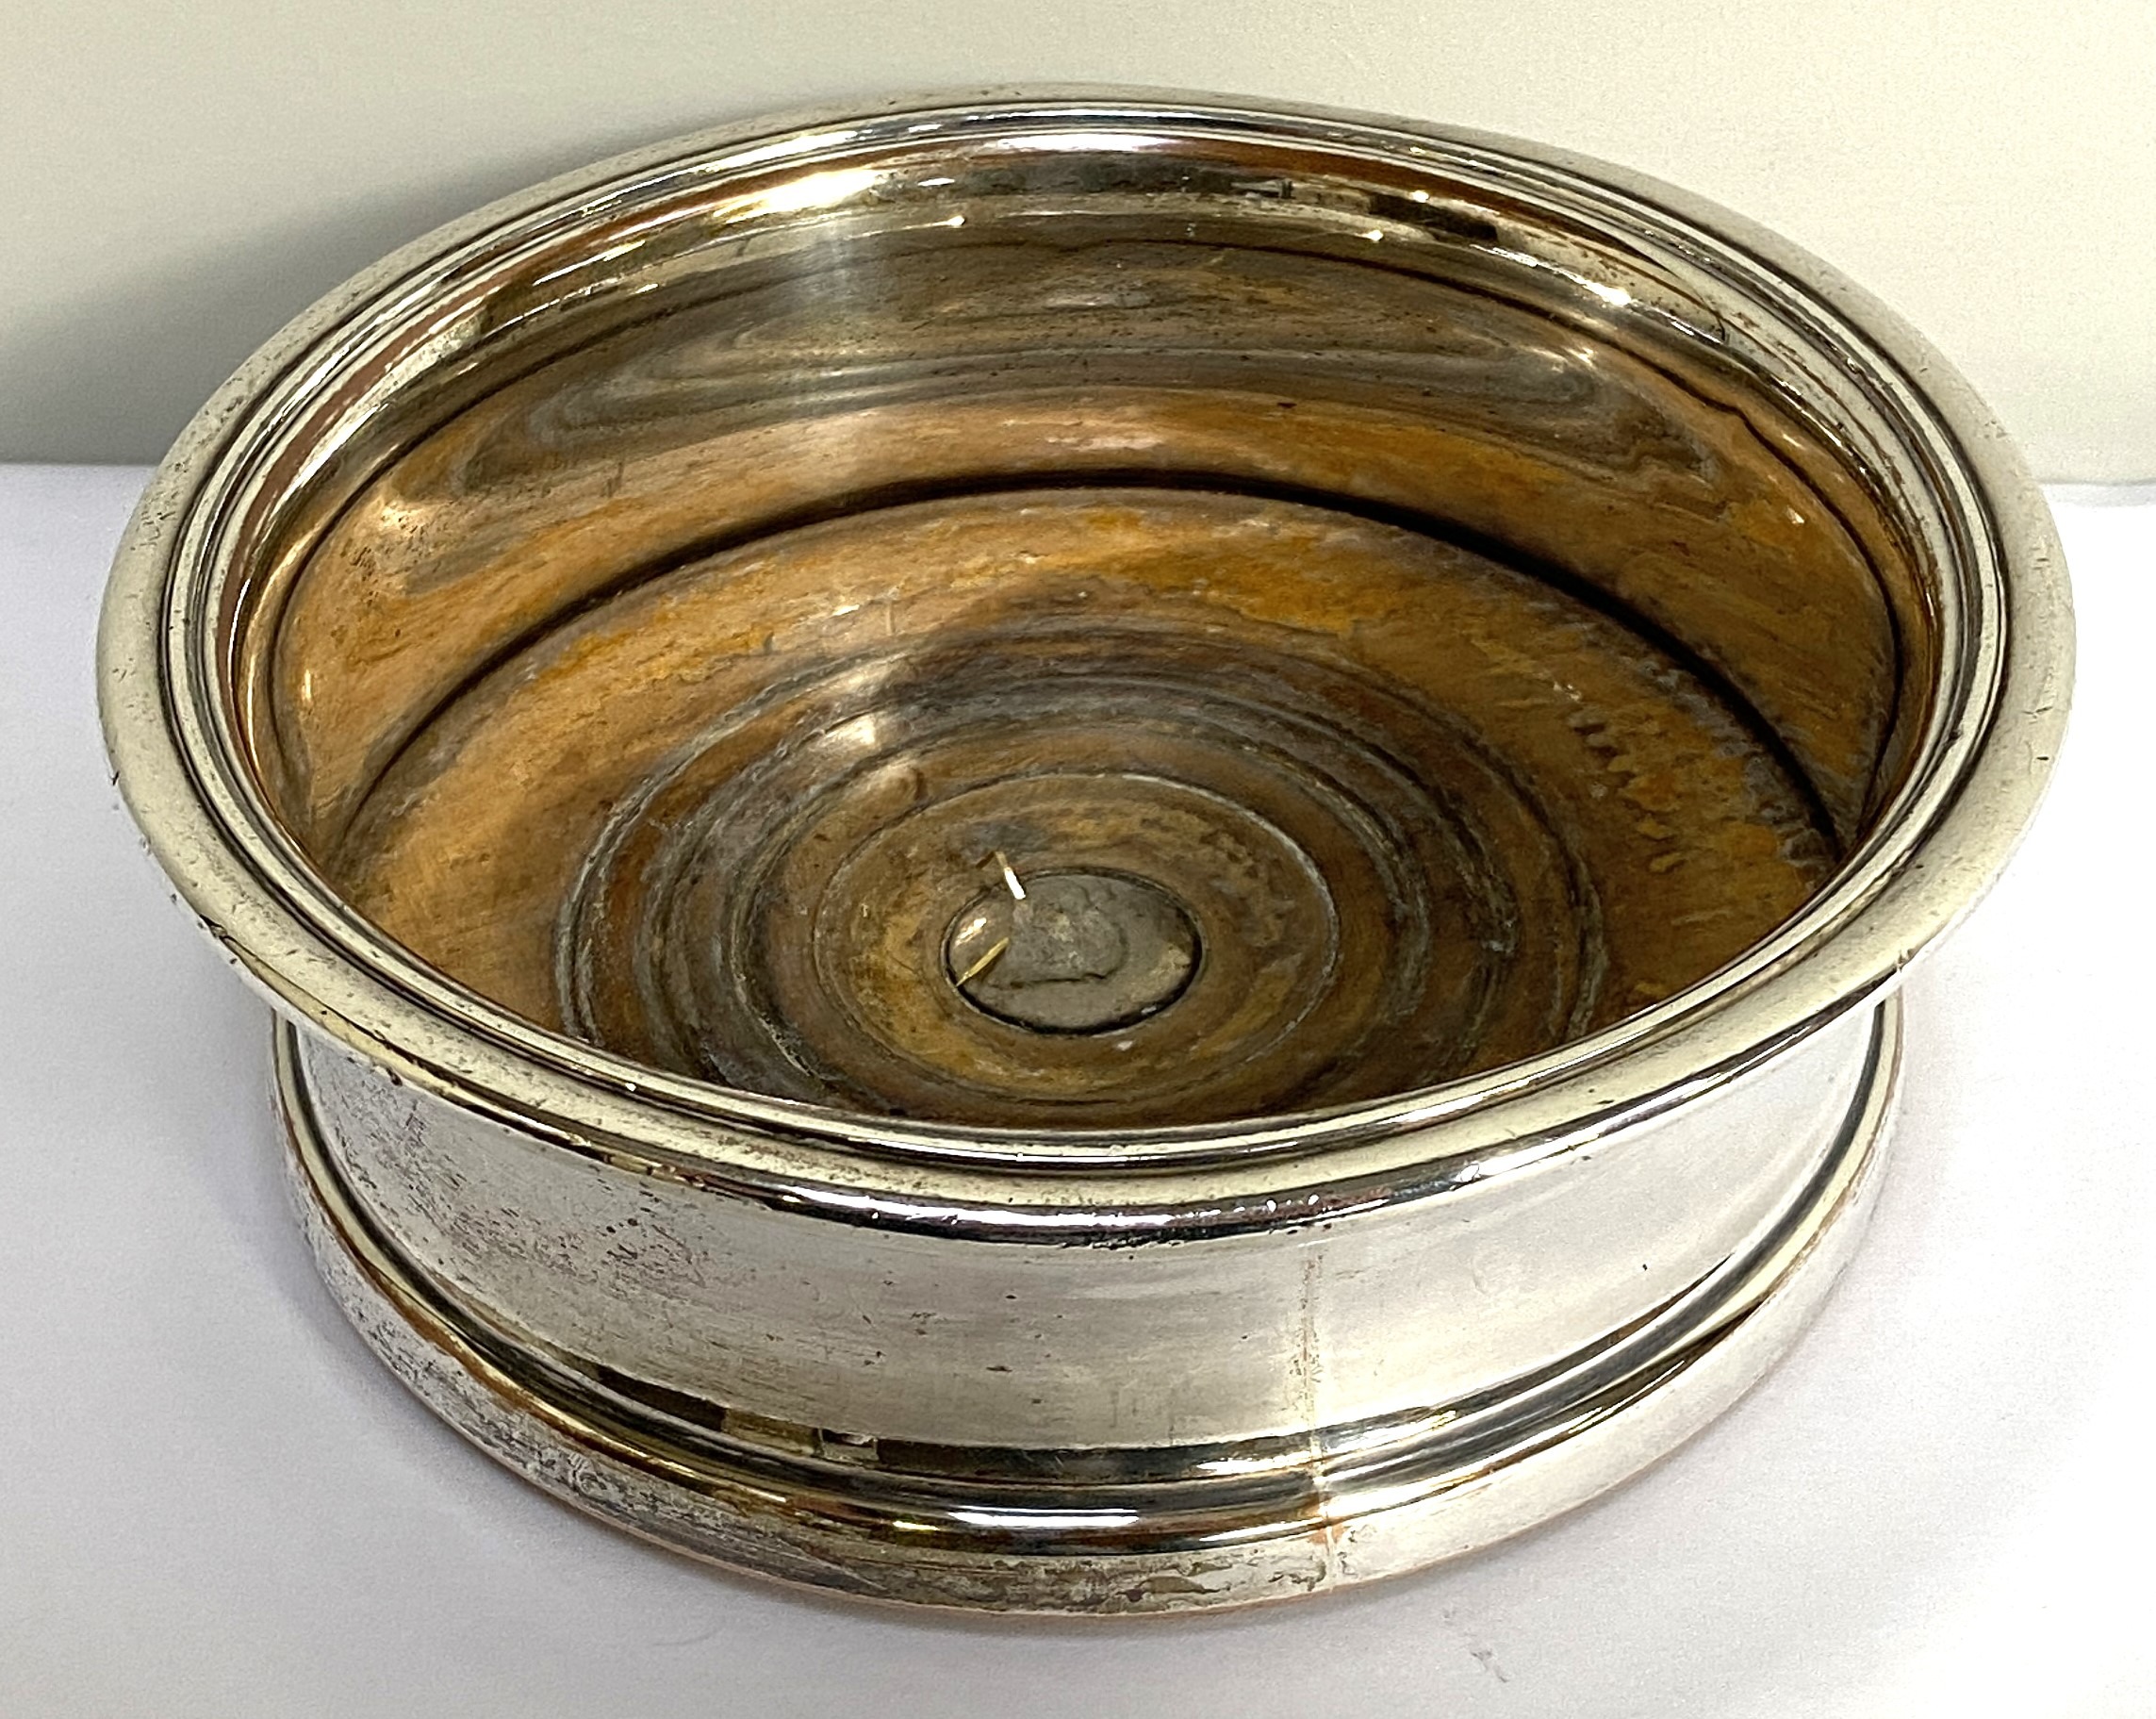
1999	721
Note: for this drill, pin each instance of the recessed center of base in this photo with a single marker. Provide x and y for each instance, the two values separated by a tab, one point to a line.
1078	952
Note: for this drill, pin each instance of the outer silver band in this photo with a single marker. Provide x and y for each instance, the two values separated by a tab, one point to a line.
1344	1476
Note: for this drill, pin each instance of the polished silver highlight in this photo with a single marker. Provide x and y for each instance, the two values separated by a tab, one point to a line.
1087	852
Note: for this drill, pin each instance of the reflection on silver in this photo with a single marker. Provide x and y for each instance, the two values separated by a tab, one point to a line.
1532	682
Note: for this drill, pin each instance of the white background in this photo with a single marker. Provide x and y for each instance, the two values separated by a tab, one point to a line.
177	180
214	1502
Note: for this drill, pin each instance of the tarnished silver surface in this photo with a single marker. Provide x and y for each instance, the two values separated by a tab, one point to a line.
837	1205
1245	1419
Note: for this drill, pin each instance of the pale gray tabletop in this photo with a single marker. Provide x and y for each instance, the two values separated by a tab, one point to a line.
216	1503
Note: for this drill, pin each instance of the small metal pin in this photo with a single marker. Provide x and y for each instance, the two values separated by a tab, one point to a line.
1011	878
993	954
